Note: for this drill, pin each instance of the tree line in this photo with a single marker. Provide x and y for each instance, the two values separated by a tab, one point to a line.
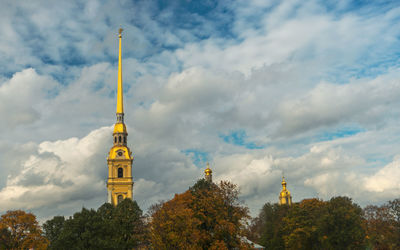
335	224
210	216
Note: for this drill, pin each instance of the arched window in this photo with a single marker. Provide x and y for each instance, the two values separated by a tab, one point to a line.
120	198
120	173
115	139
119	139
124	139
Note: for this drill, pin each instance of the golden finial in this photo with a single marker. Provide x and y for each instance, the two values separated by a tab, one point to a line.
120	32
208	173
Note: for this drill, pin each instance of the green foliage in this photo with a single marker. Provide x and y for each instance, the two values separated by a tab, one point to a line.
267	228
129	228
109	227
310	224
52	229
342	224
301	225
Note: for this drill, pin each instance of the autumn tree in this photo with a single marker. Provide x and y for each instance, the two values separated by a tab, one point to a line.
20	230
207	216
383	226
394	208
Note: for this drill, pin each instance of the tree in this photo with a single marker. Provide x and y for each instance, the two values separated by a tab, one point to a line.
109	227
342	224
310	224
382	225
301	225
207	216
394	208
20	230
81	231
267	228
174	225
52	229
129	226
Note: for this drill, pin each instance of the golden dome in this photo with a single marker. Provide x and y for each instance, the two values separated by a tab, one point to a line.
208	171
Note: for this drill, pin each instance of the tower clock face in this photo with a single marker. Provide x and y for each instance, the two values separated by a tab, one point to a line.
120	153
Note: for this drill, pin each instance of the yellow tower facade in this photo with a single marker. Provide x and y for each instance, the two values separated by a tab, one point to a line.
119	160
285	198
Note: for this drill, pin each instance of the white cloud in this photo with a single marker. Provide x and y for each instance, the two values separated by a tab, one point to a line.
60	172
386	180
326	183
361	101
22	96
286	73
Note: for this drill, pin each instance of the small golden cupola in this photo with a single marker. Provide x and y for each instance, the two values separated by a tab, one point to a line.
208	173
285	198
119	161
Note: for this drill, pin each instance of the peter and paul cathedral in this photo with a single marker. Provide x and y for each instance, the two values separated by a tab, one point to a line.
119	160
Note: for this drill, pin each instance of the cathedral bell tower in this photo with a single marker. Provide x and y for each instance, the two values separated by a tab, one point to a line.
119	160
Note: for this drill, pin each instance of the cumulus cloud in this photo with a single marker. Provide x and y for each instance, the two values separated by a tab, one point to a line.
385	180
291	76
21	97
62	171
362	101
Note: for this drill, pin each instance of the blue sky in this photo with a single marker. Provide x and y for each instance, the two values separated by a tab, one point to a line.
257	88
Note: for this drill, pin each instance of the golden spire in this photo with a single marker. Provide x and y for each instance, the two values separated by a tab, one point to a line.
120	125
120	101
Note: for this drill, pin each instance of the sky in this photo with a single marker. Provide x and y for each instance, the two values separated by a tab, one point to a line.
259	89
